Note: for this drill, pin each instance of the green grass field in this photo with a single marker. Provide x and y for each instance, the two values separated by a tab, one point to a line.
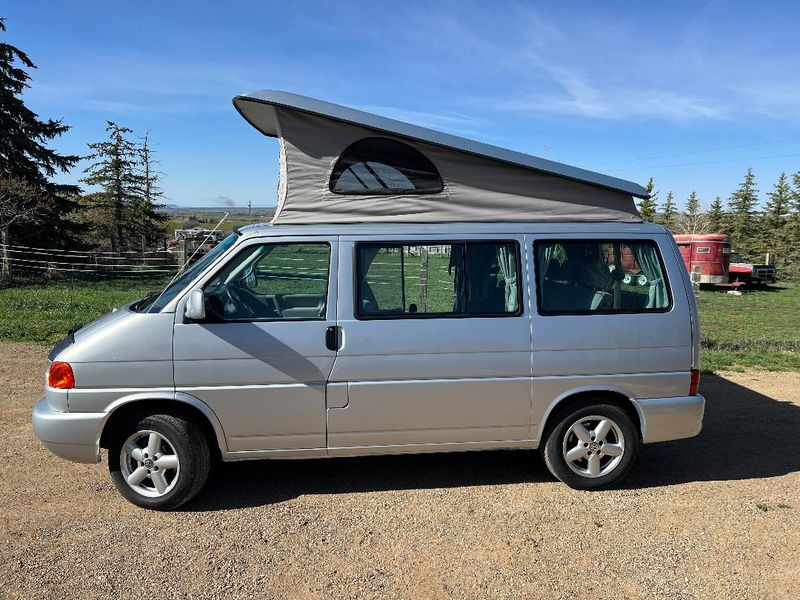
44	312
760	329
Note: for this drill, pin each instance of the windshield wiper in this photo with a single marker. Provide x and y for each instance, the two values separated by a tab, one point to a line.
140	305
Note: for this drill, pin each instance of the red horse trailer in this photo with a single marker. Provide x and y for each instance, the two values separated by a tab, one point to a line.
708	252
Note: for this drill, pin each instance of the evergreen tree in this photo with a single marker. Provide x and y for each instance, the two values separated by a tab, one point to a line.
669	213
742	205
716	216
794	204
150	217
775	224
693	220
648	208
115	172
24	155
791	262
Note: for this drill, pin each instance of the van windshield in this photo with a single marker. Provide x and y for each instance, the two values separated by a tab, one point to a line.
155	302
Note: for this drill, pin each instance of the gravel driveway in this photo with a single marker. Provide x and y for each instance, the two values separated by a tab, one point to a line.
715	516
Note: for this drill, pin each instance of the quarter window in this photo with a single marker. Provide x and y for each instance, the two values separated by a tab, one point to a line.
271	281
595	276
380	166
448	279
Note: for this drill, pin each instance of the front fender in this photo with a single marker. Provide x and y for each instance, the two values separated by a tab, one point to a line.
179	397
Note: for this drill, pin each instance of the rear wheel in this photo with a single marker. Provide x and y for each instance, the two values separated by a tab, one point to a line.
591	447
159	461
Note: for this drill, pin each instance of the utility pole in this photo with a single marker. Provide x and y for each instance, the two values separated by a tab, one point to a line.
249	211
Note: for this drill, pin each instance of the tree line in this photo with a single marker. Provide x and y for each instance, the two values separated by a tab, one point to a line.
123	207
754	230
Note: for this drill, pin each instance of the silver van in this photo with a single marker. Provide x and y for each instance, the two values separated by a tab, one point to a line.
392	306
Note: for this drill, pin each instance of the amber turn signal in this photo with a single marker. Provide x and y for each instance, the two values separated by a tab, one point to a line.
61	376
694	382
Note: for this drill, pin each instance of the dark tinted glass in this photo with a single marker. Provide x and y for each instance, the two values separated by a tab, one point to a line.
596	276
468	279
384	167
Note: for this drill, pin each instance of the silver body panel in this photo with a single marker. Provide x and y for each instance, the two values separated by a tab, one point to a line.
272	389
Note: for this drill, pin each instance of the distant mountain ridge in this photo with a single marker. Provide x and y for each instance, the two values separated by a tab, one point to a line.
238	210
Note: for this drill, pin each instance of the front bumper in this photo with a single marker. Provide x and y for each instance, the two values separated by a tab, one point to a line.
666	419
74	436
713	279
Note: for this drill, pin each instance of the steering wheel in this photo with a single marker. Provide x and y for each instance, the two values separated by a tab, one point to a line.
235	297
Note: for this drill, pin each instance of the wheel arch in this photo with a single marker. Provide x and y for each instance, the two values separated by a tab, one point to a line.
180	404
609	394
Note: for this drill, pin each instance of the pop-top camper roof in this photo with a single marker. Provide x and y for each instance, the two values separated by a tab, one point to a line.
341	165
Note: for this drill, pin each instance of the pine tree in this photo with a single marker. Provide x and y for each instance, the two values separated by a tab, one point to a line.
742	205
716	216
24	155
669	213
693	220
115	172
648	208
794	204
792	258
775	224
149	215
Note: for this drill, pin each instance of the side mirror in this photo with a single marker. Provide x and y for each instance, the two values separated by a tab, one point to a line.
195	306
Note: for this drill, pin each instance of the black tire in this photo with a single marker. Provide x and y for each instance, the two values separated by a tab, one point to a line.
190	446
552	451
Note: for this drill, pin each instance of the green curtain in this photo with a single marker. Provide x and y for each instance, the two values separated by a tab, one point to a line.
507	261
647	258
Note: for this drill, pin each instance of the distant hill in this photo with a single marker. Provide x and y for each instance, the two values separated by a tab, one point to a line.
208	210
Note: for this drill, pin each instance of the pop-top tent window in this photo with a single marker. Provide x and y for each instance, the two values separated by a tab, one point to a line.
380	166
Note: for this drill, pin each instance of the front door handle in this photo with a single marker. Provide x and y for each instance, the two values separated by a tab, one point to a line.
332	338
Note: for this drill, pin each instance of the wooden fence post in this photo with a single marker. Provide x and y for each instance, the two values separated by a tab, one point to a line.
5	273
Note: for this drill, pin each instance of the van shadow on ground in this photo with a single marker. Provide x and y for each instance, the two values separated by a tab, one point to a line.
746	435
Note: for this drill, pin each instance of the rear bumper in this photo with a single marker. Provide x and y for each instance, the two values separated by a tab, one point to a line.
73	436
670	418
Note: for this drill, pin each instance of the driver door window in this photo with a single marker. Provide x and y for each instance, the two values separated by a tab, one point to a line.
271	282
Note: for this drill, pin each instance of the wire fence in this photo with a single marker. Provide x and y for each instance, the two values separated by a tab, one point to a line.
28	262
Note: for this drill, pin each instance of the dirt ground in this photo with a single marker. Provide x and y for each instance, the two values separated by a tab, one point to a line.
715	516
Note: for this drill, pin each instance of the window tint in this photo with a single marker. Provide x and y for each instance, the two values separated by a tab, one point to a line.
578	277
271	281
384	167
455	279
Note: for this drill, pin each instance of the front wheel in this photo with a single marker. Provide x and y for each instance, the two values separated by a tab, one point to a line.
159	461
591	447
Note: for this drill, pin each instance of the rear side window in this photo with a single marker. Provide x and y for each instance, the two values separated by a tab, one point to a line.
600	277
380	166
458	279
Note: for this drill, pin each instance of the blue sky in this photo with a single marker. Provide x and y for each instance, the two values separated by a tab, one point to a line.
689	93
